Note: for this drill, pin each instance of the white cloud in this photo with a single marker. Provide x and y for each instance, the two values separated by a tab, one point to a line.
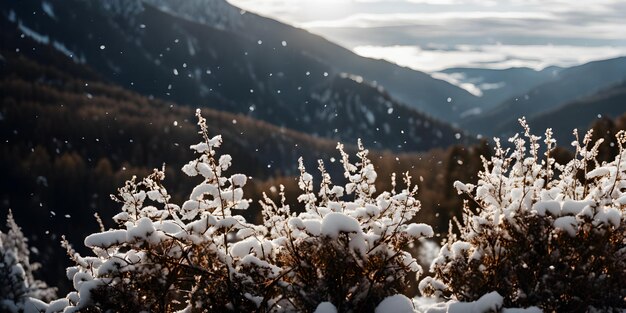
490	56
296	11
487	3
457	79
565	18
405	19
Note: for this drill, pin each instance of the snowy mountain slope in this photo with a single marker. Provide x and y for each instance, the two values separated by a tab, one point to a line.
416	89
157	54
498	85
569	85
582	113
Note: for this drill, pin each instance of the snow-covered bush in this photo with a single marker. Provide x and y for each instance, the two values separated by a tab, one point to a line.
19	290
346	252
540	233
164	257
339	254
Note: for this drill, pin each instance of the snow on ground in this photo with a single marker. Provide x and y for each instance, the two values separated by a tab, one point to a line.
395	304
491	302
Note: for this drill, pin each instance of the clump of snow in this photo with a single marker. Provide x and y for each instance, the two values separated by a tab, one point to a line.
550	206
567	224
598	172
462	188
395	304
419	230
143	231
325	307
491	302
609	216
574	207
239	180
532	309
335	223
106	239
250	245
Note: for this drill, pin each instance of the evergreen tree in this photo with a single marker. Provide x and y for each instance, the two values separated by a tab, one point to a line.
19	290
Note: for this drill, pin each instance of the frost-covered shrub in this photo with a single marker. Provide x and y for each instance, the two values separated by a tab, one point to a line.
19	290
349	253
164	257
339	254
541	234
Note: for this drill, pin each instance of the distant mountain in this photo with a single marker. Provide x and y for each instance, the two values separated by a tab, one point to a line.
582	113
49	100
498	85
220	63
417	89
570	84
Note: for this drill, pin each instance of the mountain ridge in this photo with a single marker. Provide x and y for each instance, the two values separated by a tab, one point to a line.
583	113
147	50
403	82
571	84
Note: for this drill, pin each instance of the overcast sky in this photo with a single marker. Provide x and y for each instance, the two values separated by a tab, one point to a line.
431	35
